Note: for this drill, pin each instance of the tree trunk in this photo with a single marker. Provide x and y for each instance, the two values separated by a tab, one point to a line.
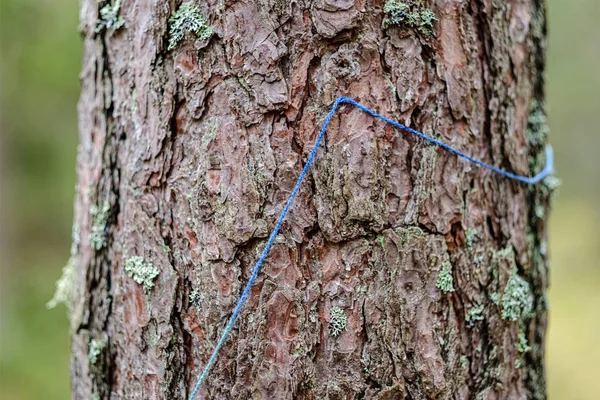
401	272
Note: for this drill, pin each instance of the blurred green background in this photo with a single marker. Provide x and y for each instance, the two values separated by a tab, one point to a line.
40	63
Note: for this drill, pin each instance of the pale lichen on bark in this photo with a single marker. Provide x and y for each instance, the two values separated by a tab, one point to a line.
109	16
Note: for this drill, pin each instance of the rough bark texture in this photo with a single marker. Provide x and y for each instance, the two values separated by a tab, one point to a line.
187	156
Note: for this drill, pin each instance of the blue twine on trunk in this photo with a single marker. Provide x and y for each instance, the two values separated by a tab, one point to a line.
548	169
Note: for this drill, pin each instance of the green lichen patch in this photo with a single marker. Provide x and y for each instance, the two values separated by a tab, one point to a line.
298	352
381	240
95	348
445	281
195	297
396	12
470	236
426	20
474	314
187	19
97	236
547	190
65	287
550	184
539	210
495	297
141	272
110	18
365	364
464	362
402	14
537	124
522	345
337	324
517	300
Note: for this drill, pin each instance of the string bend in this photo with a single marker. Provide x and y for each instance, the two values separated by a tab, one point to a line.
548	170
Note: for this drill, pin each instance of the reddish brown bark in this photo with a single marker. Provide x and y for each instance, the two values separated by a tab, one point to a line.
195	150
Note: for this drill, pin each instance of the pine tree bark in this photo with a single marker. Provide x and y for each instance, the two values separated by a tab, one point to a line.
187	156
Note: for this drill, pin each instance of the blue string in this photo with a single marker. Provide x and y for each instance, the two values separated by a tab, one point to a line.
548	169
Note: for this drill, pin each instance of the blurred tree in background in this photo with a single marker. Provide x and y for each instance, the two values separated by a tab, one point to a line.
41	53
40	61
